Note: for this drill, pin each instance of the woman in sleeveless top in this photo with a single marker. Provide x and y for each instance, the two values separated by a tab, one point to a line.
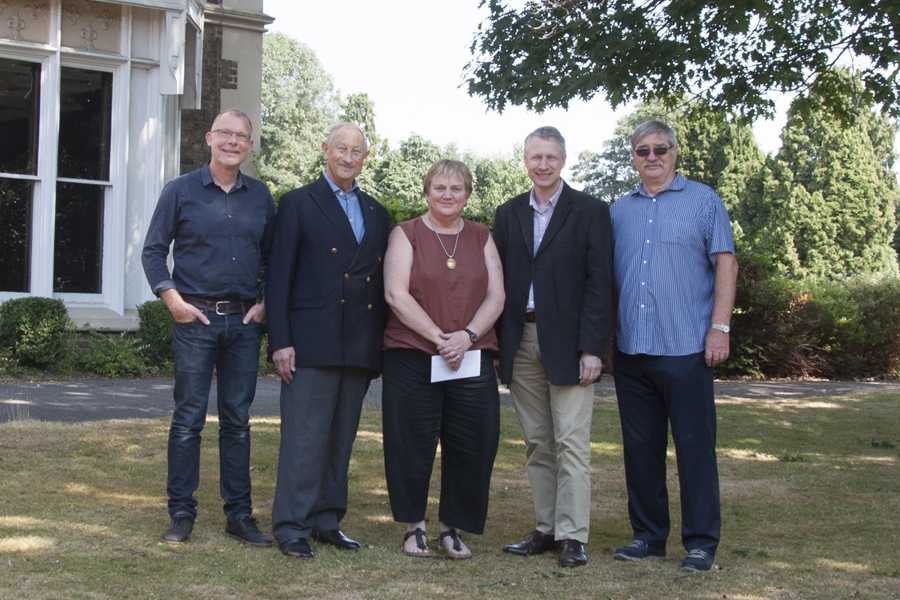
444	284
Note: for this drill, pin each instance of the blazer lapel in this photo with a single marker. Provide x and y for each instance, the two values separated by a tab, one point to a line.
328	204
526	221
560	212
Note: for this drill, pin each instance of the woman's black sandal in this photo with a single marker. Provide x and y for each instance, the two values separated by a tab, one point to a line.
421	544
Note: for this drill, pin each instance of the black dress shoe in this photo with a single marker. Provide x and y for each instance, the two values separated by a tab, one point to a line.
573	554
179	530
246	530
296	548
535	542
336	538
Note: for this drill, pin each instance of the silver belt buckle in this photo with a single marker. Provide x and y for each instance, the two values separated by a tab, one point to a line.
221	314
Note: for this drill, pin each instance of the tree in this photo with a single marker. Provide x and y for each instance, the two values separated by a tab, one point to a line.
731	54
829	201
359	109
398	176
713	148
496	181
298	106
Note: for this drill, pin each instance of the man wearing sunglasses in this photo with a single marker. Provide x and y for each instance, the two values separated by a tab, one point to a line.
675	274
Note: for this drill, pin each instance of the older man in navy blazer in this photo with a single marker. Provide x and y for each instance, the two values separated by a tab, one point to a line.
326	314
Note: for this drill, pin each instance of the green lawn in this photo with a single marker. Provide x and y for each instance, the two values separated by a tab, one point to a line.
810	505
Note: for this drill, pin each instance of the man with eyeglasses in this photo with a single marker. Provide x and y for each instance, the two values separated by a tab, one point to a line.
675	274
221	222
326	307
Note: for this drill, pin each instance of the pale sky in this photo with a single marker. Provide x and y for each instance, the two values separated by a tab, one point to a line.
408	56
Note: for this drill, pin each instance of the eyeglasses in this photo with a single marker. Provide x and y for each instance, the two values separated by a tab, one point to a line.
644	151
229	135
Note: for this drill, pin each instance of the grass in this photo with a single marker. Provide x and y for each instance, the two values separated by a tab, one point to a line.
810	504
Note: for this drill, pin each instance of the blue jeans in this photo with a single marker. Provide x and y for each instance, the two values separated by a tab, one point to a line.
232	348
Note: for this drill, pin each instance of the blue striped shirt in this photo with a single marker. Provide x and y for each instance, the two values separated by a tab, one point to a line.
665	262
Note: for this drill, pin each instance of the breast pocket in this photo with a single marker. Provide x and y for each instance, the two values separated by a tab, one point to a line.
685	233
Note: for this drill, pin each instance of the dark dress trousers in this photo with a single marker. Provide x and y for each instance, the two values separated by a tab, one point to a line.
324	297
571	273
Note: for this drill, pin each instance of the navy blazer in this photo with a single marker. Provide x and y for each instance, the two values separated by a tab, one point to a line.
325	291
572	274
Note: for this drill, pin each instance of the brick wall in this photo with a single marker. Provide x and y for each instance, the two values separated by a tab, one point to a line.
217	74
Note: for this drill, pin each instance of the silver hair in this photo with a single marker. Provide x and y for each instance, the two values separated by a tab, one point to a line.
649	128
338	126
547	133
237	113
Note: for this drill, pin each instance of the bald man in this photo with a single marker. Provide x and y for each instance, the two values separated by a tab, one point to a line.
326	314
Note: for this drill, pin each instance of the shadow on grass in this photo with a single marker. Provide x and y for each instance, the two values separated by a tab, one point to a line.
809	494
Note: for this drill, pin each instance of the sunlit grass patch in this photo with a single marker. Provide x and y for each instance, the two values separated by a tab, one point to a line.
809	491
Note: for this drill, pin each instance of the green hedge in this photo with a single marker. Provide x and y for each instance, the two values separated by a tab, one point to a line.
155	332
34	331
835	329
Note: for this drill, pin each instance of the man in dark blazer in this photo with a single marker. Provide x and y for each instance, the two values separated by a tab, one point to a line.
326	315
555	244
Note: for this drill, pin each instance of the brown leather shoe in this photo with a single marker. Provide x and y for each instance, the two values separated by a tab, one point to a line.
573	554
535	542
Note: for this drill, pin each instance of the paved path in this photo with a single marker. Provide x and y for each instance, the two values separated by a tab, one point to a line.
90	399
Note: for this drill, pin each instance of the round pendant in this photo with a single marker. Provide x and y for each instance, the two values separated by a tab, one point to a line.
451	263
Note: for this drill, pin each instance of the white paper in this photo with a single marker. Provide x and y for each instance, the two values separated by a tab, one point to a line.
469	367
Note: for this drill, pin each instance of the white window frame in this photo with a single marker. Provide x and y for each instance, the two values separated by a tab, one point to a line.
52	58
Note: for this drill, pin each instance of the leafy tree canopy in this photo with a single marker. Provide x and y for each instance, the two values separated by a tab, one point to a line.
731	54
299	104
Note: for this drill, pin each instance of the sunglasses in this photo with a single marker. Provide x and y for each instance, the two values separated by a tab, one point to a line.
644	151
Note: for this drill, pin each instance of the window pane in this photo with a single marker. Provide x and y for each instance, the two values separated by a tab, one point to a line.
20	84
15	241
85	99
78	251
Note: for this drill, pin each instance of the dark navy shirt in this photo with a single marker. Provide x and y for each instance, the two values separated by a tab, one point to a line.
222	239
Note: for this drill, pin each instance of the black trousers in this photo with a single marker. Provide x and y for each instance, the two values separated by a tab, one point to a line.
464	414
652	392
320	412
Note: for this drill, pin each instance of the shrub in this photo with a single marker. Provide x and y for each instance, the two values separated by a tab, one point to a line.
845	329
155	332
111	355
34	330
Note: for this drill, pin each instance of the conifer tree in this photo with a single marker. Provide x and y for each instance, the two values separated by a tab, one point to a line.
829	200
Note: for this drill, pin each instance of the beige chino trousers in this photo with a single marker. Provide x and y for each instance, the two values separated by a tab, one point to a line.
556	422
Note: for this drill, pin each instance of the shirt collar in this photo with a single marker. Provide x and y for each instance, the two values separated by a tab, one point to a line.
551	203
676	185
206	178
336	188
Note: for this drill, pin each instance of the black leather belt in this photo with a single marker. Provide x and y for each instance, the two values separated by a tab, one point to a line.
219	307
530	317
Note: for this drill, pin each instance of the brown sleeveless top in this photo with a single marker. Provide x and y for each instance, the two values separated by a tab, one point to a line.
451	297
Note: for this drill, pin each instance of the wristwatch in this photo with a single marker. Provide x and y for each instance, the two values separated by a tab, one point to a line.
720	327
473	337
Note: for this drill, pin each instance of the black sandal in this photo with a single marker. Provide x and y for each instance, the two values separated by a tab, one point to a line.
456	551
421	544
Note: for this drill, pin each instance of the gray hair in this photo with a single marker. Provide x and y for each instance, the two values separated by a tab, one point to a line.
346	124
547	133
236	113
649	128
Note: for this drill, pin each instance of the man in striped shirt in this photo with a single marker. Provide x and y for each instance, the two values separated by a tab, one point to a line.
675	274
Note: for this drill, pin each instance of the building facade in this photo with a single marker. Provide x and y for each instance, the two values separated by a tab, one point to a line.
101	103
